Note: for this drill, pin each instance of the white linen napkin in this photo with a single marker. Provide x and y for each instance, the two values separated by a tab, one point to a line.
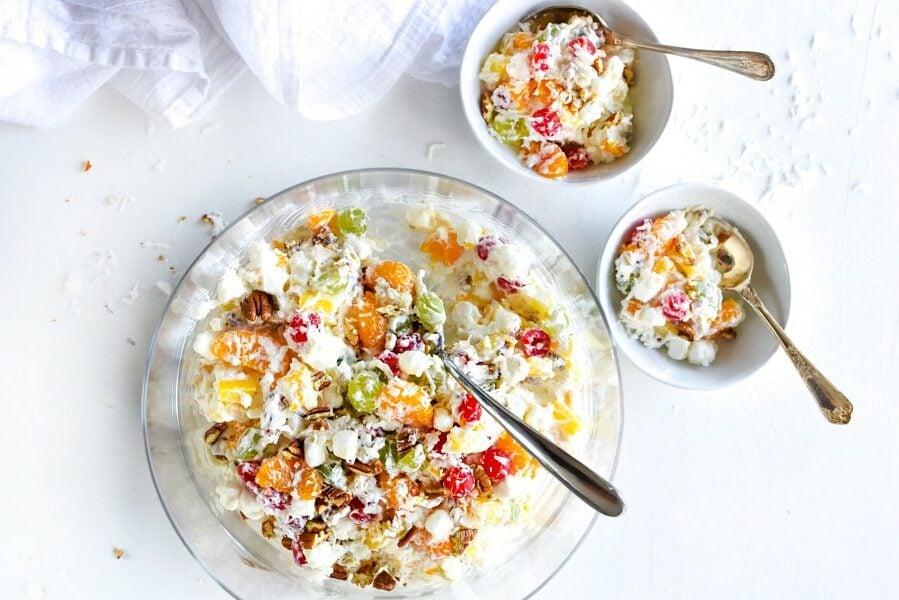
326	59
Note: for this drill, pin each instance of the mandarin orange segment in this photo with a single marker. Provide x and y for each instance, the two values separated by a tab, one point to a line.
551	161
369	325
730	313
521	460
614	148
441	549
407	403
236	429
321	219
397	275
443	246
242	347
310	484
277	471
396	490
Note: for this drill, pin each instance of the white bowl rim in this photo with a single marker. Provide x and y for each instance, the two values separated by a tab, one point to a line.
775	252
476	124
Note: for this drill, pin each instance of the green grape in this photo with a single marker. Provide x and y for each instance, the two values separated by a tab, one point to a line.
430	311
387	453
352	221
511	130
333	473
550	31
412	460
331	280
362	391
247	444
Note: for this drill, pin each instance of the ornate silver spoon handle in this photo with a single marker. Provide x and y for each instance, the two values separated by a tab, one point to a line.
575	475
833	403
751	64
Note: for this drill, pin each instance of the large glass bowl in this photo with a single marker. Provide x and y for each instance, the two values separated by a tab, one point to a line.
231	550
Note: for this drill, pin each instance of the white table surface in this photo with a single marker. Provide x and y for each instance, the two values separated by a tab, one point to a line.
744	492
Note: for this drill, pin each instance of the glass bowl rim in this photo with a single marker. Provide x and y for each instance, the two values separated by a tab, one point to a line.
419	173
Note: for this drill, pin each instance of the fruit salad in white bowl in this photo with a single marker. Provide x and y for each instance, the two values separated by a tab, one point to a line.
555	101
658	285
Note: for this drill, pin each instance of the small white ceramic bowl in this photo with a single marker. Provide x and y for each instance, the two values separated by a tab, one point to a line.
651	96
754	344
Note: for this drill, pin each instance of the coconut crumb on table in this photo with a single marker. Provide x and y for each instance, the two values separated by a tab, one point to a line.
133	294
165	287
434	148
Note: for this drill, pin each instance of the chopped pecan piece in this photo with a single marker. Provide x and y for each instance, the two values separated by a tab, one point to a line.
485	486
385	581
324	237
359	468
316	525
406	439
338	571
729	333
433	491
311	539
320	381
382	477
377	466
268	527
365	574
320	425
286	542
461	539
213	434
408	536
294	449
258	305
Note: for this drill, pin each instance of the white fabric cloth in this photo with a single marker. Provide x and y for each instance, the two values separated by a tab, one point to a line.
326	59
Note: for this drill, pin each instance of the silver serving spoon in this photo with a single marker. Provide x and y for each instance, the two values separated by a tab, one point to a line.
735	261
751	64
572	473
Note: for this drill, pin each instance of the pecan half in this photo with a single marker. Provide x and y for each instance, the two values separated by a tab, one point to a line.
268	528
334	496
461	539
485	486
338	571
729	333
320	412
385	581
258	305
408	536
213	434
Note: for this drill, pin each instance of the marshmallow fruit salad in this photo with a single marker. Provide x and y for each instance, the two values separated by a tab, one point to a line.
666	271
559	96
334	430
